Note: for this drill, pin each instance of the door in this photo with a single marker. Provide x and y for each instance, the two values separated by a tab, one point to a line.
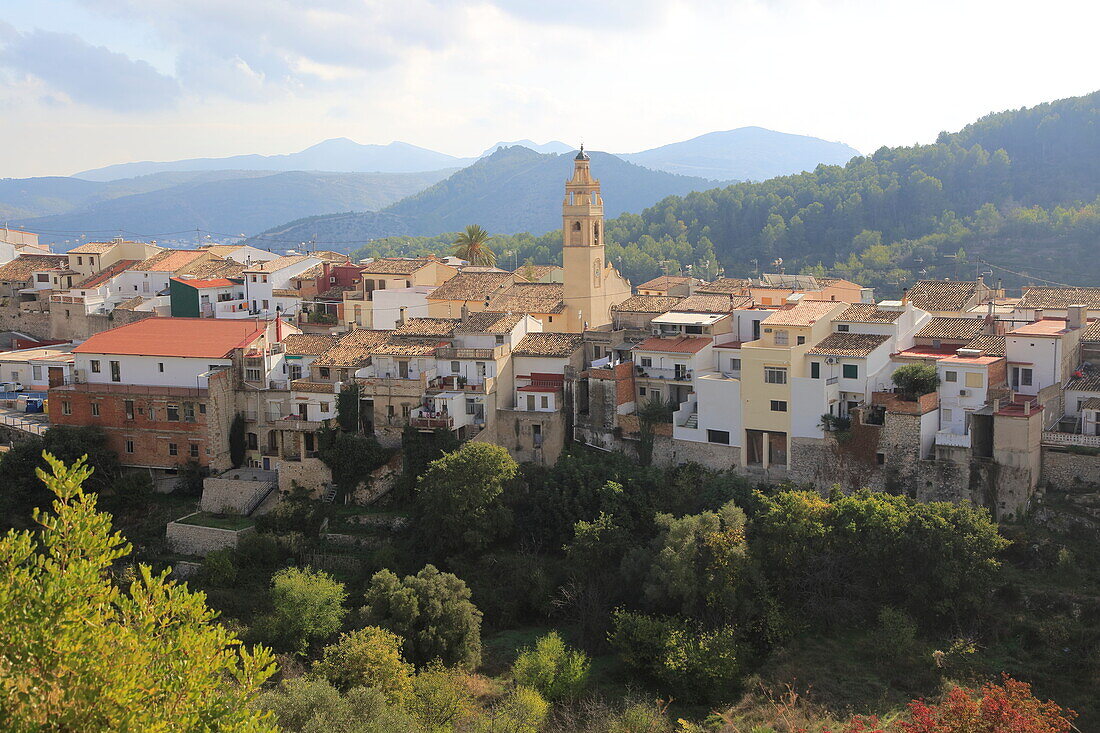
267	464
56	375
403	369
530	402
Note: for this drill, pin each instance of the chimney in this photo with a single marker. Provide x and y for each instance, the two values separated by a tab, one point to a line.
401	315
465	312
1039	314
1075	316
904	297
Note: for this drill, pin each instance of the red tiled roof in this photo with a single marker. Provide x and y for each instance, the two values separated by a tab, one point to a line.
682	345
200	338
93	281
219	282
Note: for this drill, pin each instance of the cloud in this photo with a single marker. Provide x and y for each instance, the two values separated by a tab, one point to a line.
87	74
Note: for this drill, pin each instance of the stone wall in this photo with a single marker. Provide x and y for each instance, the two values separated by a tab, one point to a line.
514	430
309	473
192	539
228	495
76	324
381	482
1063	470
35	324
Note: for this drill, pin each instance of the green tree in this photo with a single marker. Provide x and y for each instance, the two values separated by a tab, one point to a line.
312	705
458	498
472	245
367	657
915	380
522	710
439	699
347	408
431	611
307	605
350	457
80	653
553	669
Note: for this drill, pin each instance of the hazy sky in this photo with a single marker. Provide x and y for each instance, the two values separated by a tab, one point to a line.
85	83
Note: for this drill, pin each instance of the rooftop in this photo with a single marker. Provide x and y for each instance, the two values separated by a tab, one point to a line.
489	322
713	303
943	295
473	286
1091	332
983	360
209	338
395	346
725	286
1085	380
353	349
170	260
549	344
868	313
395	266
438	327
536	273
526	297
220	282
806	313
849	344
22	267
684	345
647	304
1060	297
280	263
664	282
951	328
1045	327
991	345
213	269
92	248
94	281
308	344
678	317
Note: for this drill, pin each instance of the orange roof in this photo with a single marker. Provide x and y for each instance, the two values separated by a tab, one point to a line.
103	276
218	282
170	260
983	360
682	345
201	338
1045	327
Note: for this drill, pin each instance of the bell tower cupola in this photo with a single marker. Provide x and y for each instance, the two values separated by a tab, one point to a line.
582	210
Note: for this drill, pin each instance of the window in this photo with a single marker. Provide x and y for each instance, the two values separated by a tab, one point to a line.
775	375
193	450
152	413
202	408
471	406
129	446
500	340
173	413
263	304
160	366
974	379
406	409
36	373
695	330
324	406
722	437
801	340
850	371
66	408
1025	377
536	435
95	409
842	327
735	365
641	391
815	370
454	367
779	406
647	361
295	371
189	411
95	366
253	441
80	260
173	449
880	458
252	375
390	412
116	371
129	405
323	372
545	404
945	413
782	337
43	278
950	376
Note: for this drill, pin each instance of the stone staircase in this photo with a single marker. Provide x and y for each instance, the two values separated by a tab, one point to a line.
692	421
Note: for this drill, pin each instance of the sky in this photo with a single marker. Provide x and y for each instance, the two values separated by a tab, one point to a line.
87	83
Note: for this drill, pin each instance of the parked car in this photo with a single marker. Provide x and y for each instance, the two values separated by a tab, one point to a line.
11	386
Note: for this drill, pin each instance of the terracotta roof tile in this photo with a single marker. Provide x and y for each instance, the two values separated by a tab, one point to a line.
528	297
353	349
285	293
278	263
213	269
952	329
170	260
92	248
489	322
805	313
868	313
664	282
943	295
305	385
549	344
130	303
395	266
200	338
647	304
1089	381
725	285
848	344
991	345
94	281
22	267
438	327
1060	297
308	344
536	273
1091	332
681	345
397	346
473	286
713	303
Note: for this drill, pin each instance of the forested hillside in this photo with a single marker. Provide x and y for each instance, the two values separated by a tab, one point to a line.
1016	188
513	190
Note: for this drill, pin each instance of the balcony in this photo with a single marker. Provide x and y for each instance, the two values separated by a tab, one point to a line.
477	385
278	384
953	440
452	352
296	422
672	375
1053	437
429	421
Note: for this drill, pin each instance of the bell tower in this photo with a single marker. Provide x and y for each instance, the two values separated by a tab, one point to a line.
591	286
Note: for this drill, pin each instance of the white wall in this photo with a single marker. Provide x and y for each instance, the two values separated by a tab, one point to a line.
1041	354
719	408
145	370
386	306
809	401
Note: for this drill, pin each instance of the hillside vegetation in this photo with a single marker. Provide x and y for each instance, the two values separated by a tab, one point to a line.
1016	188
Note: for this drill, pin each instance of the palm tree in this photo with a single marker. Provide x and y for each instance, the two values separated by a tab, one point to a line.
472	245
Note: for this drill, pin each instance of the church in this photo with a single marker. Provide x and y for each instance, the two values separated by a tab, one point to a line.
592	284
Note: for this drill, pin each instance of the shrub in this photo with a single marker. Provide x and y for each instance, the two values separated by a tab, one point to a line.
684	659
431	610
552	669
307	606
218	569
522	710
915	380
368	657
439	699
311	705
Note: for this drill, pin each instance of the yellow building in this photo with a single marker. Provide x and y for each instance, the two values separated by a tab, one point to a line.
592	286
768	365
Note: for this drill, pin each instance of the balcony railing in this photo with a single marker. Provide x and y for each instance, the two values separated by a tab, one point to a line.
1052	437
674	375
955	440
280	384
431	422
453	352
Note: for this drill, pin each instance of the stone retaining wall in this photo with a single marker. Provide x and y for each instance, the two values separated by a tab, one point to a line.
1062	469
193	539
